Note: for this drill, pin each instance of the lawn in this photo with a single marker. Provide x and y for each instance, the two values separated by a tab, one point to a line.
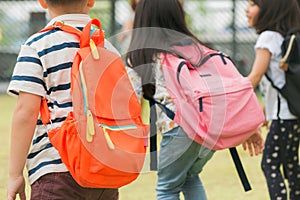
219	175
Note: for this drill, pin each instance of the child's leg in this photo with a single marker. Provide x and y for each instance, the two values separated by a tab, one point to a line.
271	163
178	155
193	188
62	186
291	161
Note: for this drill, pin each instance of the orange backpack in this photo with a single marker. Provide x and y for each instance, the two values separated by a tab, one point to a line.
103	141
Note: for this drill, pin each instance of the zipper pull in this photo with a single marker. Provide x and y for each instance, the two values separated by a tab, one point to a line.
108	140
94	50
90	129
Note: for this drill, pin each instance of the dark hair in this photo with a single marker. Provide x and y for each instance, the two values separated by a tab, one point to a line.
277	15
159	26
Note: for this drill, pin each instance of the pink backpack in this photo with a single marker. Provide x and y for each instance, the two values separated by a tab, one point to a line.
215	104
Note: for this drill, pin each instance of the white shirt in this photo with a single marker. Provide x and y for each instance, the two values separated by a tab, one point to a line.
272	41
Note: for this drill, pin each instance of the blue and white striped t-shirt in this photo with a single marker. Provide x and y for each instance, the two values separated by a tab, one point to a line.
43	68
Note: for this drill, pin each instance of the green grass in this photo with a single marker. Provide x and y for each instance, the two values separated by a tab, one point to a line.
219	175
6	107
219	178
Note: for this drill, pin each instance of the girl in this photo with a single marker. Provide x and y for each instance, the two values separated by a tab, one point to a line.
158	27
272	19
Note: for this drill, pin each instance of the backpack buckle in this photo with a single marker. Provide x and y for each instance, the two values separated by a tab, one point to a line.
58	24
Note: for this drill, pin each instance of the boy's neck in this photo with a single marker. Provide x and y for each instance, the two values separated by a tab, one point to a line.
63	11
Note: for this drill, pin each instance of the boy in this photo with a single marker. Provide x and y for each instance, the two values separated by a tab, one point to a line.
43	70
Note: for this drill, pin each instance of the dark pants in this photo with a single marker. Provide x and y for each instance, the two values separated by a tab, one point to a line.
281	152
61	186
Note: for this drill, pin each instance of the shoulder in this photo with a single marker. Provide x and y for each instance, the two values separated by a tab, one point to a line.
270	35
270	40
54	34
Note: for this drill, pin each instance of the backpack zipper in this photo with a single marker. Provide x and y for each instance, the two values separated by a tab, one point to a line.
114	128
90	130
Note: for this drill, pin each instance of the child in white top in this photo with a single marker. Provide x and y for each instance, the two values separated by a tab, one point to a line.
272	20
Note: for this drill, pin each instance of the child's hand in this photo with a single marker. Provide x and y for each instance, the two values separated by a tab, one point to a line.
254	142
16	186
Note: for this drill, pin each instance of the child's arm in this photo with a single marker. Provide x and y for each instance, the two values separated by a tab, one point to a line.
23	127
260	66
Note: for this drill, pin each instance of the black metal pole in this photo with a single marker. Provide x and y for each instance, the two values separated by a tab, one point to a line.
113	17
233	28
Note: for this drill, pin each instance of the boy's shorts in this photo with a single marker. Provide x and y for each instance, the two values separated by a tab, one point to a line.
63	186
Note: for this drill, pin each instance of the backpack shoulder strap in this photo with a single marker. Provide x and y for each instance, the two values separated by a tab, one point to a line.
88	32
88	37
293	31
240	169
62	26
153	136
286	56
217	53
